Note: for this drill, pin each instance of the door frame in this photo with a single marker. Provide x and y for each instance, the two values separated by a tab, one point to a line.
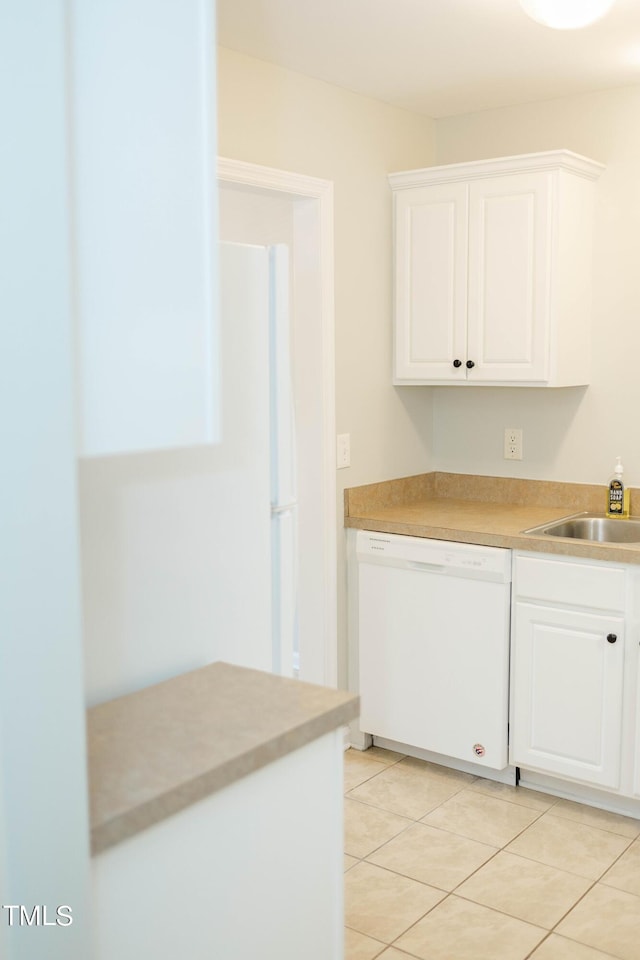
319	192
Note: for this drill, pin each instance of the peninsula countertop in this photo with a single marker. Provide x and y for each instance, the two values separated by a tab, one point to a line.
491	511
156	751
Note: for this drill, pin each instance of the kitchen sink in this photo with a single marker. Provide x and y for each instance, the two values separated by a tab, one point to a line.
592	526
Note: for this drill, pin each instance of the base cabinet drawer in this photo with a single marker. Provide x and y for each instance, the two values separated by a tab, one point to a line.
595	586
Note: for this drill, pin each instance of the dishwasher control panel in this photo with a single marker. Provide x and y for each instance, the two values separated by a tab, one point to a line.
454	559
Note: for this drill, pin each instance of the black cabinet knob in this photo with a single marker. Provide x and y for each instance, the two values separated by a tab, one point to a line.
457	363
470	364
611	637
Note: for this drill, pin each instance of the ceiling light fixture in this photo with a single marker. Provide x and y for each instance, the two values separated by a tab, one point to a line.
566	14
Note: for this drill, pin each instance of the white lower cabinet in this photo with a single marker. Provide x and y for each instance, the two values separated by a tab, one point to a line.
567	694
574	691
575	686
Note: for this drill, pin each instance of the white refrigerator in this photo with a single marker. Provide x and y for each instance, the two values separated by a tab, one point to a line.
256	298
284	510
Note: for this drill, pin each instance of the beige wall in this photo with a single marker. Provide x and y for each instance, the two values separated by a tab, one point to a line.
274	117
281	119
576	433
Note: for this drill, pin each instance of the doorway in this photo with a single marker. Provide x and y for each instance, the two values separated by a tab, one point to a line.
259	205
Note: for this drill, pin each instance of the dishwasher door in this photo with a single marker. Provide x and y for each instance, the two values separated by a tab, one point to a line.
434	645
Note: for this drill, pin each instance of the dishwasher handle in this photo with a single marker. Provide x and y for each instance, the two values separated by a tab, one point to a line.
427	567
464	572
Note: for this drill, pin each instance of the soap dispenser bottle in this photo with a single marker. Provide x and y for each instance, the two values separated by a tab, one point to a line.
617	495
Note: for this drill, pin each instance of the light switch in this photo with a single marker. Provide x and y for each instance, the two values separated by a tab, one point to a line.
343	450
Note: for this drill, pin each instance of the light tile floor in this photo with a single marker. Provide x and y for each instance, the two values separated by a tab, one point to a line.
440	865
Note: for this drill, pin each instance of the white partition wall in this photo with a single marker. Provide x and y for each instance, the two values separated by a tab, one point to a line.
44	843
143	102
238	875
108	115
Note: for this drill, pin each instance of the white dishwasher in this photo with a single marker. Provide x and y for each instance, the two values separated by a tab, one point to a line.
434	645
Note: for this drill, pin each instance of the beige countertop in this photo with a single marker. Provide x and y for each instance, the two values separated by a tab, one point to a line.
492	511
158	750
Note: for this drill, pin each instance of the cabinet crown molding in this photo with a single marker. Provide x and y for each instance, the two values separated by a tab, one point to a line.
499	166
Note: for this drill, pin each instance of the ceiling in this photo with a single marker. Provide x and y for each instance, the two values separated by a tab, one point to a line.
436	57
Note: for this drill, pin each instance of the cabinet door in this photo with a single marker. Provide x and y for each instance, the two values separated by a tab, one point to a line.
567	693
509	277
430	282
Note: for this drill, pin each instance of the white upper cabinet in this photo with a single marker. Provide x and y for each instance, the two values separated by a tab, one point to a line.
493	265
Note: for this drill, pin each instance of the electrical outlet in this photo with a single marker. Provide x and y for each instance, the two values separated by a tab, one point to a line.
343	450
513	443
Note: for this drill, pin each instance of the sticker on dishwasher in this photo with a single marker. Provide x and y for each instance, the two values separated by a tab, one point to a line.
479	750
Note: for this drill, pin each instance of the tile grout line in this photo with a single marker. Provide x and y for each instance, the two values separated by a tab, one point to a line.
502	848
538	945
396	873
444	830
412	823
453	892
562	869
404	829
437	777
447	893
554	800
593	883
588	891
383	766
375	850
384	946
593	826
432	777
